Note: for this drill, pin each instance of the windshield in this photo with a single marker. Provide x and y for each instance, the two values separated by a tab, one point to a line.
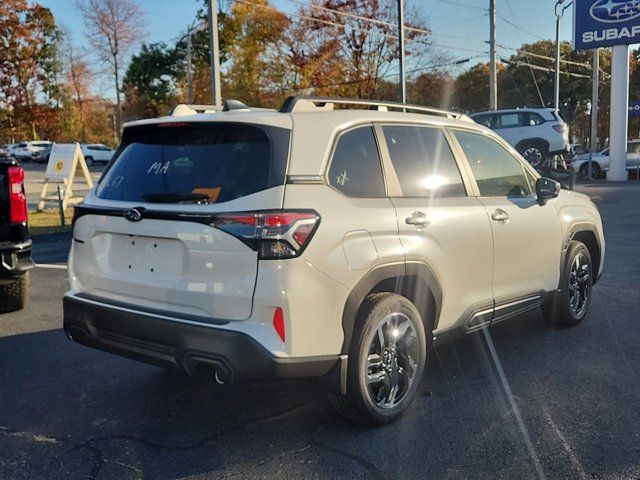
196	163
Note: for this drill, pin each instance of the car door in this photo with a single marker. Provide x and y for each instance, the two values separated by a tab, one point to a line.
527	236
441	225
510	127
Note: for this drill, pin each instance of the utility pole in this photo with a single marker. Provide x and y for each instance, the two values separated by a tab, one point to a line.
556	84
189	69
493	72
594	108
403	84
216	95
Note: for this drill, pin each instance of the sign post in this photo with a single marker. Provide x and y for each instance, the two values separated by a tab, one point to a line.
64	162
611	23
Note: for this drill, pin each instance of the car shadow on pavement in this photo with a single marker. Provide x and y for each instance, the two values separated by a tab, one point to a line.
507	404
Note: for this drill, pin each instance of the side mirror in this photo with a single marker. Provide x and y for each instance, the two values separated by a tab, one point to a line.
547	189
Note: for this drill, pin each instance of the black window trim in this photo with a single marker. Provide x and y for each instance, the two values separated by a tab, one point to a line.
395	189
332	151
523	163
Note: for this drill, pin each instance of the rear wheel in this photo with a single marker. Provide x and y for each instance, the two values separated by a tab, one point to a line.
14	293
535	153
571	303
386	361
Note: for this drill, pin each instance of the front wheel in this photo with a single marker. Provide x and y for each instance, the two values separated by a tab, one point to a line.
386	360
571	303
89	161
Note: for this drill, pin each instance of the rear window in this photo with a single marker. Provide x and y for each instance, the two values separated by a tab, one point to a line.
195	163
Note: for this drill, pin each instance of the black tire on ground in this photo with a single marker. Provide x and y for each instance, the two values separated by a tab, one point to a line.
534	152
596	170
571	304
14	293
89	161
386	361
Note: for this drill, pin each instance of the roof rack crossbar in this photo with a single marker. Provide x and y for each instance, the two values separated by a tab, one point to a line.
227	106
289	105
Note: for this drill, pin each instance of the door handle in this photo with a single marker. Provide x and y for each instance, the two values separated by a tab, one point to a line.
418	219
500	216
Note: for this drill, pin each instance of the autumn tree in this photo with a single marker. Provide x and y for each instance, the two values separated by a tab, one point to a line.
78	80
256	67
113	28
28	61
349	47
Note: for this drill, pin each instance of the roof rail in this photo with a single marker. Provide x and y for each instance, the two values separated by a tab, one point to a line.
310	104
183	109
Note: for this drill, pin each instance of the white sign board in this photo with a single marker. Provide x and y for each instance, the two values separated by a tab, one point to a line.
63	164
61	161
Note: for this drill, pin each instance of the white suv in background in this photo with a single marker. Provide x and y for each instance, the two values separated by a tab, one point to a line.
251	244
536	133
97	153
24	151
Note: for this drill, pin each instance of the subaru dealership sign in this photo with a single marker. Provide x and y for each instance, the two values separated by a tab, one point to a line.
604	23
634	109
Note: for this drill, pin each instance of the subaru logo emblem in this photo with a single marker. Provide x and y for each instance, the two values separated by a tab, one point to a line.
133	215
615	11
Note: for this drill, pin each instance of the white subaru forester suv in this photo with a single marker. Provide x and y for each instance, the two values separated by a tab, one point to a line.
314	241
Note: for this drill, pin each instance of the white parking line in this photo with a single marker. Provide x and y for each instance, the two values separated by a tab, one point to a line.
51	266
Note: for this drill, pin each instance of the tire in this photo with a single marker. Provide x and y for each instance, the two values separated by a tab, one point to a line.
89	161
536	153
596	170
571	302
14	293
393	366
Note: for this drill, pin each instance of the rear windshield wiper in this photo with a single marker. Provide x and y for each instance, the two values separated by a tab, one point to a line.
171	197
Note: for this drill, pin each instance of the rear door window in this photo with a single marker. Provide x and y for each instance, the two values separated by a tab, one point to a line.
355	168
424	162
510	120
195	163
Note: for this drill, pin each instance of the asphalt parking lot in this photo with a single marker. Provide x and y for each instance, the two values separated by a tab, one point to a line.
524	400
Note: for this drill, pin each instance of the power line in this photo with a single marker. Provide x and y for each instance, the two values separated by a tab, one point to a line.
373	32
504	19
459	4
541	68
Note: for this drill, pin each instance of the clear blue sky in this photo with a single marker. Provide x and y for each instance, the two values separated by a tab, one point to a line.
460	25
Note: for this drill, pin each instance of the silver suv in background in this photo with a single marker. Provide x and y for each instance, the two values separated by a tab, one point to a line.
537	133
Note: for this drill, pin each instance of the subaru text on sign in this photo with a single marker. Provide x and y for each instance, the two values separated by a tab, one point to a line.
604	23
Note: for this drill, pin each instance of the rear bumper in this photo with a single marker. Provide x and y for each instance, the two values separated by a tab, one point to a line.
184	345
15	259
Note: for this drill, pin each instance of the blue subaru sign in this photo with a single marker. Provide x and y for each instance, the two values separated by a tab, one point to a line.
634	109
604	23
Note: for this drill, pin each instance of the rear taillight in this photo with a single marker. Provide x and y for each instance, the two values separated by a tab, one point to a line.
17	198
560	128
275	235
